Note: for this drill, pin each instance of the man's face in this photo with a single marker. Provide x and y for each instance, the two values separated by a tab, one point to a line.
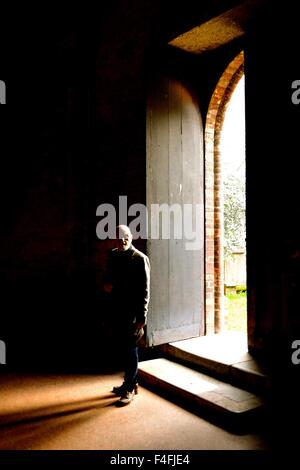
124	240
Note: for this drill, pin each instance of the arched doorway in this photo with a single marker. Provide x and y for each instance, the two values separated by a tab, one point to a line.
214	214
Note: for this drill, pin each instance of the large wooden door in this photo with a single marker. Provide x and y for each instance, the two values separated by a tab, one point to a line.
175	176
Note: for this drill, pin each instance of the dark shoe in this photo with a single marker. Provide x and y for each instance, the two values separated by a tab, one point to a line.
126	398
122	389
119	390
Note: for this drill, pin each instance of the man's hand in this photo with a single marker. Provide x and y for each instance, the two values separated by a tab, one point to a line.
108	288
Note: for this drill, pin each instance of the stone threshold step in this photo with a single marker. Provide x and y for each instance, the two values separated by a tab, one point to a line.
223	357
197	389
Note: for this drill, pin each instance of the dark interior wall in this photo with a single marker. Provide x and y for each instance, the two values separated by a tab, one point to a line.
273	238
44	192
73	137
272	124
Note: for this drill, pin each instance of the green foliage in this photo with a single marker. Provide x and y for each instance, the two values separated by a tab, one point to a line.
237	312
234	214
241	289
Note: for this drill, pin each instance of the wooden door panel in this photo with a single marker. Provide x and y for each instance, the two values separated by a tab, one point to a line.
175	177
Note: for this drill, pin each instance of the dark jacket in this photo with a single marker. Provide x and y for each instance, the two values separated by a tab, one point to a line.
129	273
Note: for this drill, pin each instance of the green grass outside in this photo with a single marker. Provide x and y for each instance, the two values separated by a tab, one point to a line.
236	318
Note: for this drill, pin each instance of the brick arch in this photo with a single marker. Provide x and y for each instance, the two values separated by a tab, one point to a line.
214	264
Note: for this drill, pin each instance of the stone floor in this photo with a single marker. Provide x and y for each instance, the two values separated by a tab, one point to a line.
78	412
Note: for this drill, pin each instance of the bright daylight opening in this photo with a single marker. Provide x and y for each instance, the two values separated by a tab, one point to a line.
232	148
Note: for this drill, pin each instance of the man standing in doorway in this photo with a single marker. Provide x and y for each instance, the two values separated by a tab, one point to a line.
127	279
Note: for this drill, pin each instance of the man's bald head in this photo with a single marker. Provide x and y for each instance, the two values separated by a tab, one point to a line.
124	237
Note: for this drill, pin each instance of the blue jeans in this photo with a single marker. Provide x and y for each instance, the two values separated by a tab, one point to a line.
131	366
